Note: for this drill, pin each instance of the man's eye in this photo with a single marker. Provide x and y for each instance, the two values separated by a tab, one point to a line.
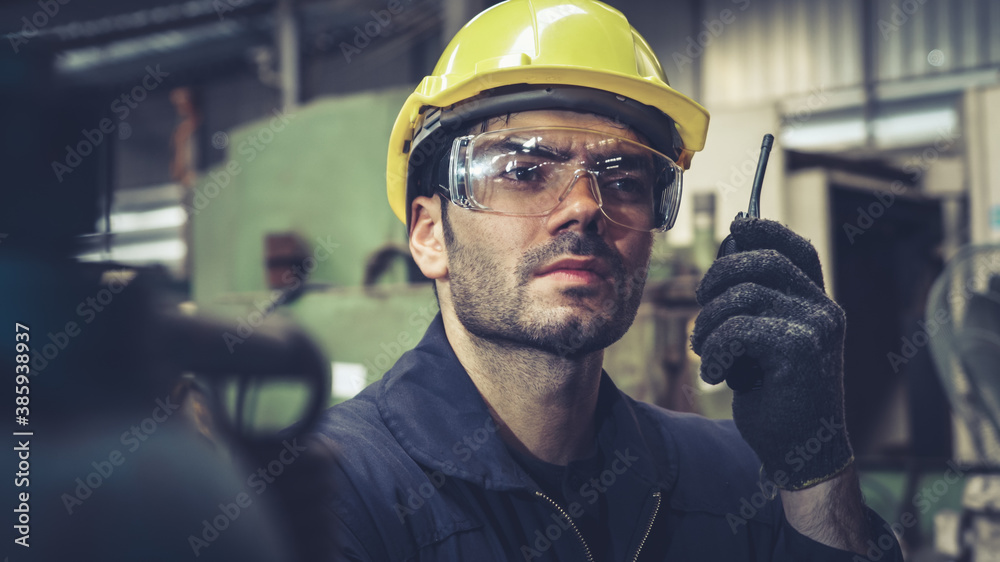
521	173
625	187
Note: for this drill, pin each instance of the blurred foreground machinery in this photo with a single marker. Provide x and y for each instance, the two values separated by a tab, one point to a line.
139	445
964	309
131	437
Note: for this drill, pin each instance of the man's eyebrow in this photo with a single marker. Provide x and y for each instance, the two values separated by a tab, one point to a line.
513	144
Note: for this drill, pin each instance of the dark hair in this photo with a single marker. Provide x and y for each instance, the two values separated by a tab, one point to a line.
449	234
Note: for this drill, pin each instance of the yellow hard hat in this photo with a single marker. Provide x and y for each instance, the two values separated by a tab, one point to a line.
541	54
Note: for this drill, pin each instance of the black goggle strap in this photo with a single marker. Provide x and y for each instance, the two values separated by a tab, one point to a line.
671	198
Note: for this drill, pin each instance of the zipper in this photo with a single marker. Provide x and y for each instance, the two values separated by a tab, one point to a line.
562	512
649	527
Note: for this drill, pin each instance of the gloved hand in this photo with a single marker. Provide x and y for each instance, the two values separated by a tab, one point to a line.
766	304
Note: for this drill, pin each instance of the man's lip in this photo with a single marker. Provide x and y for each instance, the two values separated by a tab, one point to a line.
591	264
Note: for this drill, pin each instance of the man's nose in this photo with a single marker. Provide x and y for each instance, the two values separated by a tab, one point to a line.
580	208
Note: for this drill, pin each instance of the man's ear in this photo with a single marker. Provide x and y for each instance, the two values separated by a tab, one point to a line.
427	237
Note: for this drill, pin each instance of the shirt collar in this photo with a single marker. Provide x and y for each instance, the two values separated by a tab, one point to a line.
436	413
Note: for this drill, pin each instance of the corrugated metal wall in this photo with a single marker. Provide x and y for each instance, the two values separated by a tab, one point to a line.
966	32
775	48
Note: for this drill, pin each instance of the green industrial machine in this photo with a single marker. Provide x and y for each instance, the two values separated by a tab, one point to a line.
318	171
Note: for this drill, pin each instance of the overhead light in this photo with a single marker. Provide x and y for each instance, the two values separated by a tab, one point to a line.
893	128
812	135
146	252
148	220
915	127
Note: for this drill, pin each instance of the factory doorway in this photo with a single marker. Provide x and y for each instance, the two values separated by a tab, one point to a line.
886	249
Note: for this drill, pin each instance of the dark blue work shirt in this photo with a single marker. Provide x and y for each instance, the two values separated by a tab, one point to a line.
421	474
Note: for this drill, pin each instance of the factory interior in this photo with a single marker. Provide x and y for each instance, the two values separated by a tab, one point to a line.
194	225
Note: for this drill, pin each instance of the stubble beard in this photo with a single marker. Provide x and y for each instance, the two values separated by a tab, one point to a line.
508	317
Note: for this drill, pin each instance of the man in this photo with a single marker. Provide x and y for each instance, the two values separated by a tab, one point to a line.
531	170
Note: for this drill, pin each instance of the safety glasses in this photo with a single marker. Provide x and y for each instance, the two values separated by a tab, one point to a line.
530	171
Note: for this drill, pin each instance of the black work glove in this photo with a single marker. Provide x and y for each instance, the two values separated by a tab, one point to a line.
766	305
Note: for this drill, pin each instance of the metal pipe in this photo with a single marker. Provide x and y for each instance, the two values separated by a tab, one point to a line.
287	44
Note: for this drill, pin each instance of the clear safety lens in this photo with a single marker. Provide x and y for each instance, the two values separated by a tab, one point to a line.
530	171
